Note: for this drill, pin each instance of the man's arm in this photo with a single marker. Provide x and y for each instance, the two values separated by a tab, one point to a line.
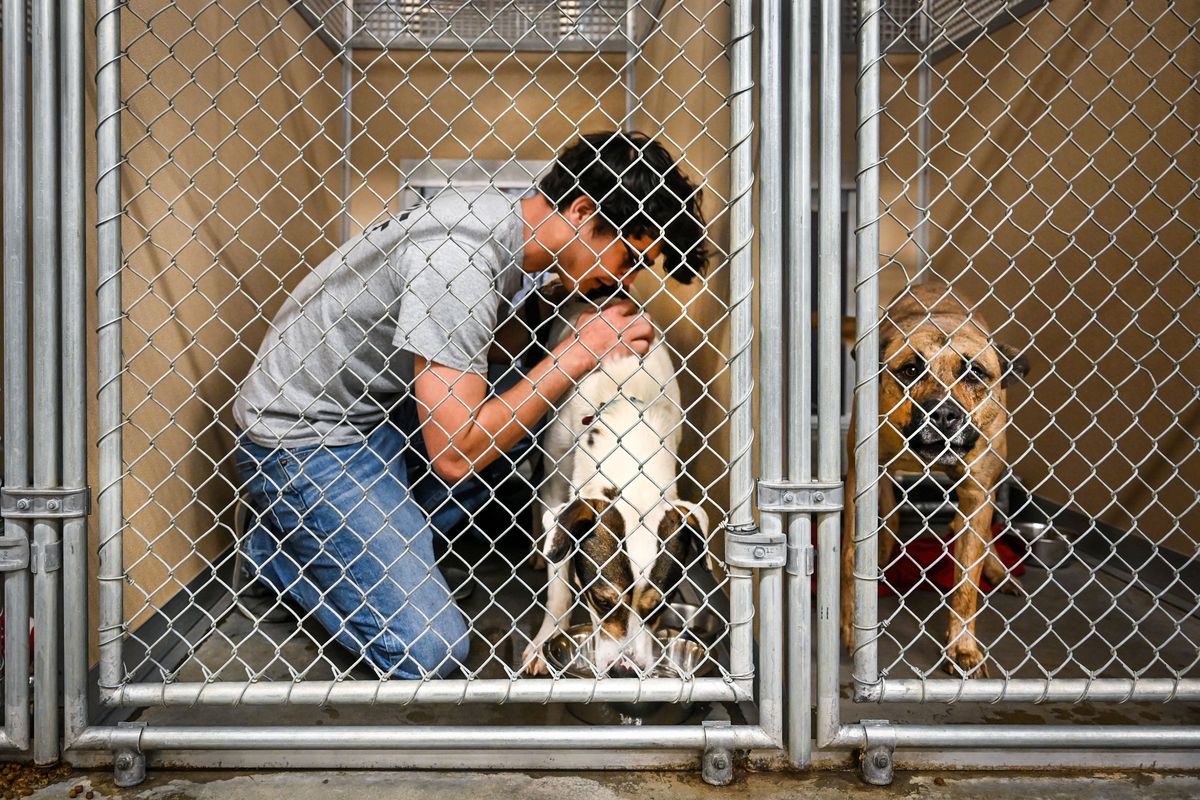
465	430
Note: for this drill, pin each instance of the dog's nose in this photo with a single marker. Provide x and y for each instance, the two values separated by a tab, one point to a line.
622	669
947	417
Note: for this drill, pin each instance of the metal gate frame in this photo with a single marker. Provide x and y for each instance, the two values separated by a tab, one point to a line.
480	747
876	740
44	498
14	546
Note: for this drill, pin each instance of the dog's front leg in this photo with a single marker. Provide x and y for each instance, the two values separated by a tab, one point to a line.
558	613
847	560
972	533
890	535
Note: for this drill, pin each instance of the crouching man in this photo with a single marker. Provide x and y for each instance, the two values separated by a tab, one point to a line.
409	310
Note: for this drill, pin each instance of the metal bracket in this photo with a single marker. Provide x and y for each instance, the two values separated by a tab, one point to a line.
716	768
129	762
800	498
877	766
753	549
45	556
25	503
14	553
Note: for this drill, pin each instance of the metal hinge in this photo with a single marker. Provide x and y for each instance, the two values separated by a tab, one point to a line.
799	498
25	503
14	553
129	761
716	766
751	548
800	560
876	761
45	556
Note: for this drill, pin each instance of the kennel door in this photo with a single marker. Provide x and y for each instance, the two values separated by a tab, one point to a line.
1025	461
240	146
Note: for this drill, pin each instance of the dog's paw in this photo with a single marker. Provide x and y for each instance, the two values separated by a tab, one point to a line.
966	661
533	661
848	636
1013	586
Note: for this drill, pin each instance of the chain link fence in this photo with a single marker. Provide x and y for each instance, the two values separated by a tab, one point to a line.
1031	526
257	137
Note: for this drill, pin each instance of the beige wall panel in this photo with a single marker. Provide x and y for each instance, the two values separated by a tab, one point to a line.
1068	205
409	106
227	207
685	81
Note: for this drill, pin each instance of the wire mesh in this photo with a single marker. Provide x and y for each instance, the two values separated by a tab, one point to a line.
233	118
1036	212
517	25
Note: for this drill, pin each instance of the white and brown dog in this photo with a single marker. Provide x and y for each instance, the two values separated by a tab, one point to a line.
615	530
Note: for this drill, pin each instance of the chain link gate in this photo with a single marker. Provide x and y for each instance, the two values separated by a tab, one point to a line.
240	144
1022	462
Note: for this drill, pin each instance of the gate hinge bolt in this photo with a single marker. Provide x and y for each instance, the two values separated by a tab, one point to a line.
875	760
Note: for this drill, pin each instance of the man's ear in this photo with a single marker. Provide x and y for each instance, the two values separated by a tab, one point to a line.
580	210
1013	363
563	526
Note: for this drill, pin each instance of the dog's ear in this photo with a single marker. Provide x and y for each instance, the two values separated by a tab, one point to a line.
1013	363
695	523
563	526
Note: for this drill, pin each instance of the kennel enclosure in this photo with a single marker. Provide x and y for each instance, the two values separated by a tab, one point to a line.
1040	157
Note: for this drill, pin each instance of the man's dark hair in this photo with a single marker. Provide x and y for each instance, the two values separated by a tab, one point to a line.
638	190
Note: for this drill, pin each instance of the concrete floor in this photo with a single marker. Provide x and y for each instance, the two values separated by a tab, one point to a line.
199	785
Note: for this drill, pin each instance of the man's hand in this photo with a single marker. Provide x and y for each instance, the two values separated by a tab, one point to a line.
620	329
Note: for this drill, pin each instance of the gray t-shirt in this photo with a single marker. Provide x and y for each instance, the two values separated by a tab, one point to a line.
435	282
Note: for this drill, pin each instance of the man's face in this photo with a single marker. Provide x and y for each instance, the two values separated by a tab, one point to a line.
592	259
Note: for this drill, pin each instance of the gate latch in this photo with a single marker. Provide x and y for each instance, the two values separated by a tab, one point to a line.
25	503
753	549
799	498
14	553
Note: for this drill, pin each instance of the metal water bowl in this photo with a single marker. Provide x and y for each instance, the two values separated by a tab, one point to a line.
1050	547
684	637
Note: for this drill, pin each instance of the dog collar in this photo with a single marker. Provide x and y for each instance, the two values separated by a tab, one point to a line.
635	401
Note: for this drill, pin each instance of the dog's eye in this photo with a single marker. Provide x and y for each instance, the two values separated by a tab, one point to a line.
978	374
909	372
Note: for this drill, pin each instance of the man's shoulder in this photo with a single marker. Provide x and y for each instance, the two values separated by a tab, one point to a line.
459	213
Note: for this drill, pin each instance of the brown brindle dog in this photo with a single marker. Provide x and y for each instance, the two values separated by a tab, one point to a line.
942	407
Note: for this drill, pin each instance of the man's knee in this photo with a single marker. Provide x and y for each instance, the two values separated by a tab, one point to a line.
434	650
440	651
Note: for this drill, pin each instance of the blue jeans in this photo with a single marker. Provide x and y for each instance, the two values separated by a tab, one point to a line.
342	533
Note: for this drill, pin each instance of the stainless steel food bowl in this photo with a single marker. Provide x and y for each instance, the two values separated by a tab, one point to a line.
1049	546
679	655
696	622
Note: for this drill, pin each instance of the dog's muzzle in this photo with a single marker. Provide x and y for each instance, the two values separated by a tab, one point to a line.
940	431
